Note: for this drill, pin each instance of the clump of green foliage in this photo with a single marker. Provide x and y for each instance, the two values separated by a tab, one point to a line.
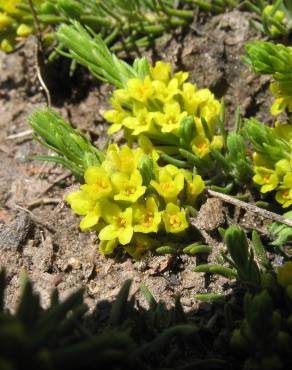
153	188
57	338
262	335
128	25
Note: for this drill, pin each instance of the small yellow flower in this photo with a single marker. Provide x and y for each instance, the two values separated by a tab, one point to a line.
171	118
10	6
5	21
115	117
147	147
83	205
97	183
108	246
91	219
284	195
146	216
283	130
80	202
122	159
23	30
161	71
140	90
194	188
281	102
209	108
265	177
180	77
6	45
120	223
190	99
163	92
128	187
201	146
141	121
284	276
174	219
170	183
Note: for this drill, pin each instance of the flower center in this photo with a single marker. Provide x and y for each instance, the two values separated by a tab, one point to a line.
167	186
148	219
170	120
101	184
130	190
286	194
202	147
266	179
175	221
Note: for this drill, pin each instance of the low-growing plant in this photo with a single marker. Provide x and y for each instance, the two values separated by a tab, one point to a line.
58	338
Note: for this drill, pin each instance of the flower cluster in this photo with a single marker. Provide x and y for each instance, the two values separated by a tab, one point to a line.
283	99
12	25
158	106
273	159
276	175
129	197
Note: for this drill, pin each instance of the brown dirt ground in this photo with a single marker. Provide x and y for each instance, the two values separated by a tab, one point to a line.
38	232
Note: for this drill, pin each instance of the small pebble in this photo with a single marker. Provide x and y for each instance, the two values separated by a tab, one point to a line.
74	263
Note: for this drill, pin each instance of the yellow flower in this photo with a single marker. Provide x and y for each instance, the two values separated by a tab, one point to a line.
281	102
165	92
201	146
284	195
91	219
146	216
147	147
161	71
97	183
120	223
108	246
6	46
284	275
10	6
171	118
180	77
209	108
170	183
141	121
5	21
83	205
194	188
140	90
265	177
283	130
80	202
129	188
116	117
190	98
24	30
122	159
174	219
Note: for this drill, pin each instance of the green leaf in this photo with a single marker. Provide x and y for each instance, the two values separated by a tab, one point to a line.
259	250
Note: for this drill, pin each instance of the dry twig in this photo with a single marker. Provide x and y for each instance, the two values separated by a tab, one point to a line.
251	207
